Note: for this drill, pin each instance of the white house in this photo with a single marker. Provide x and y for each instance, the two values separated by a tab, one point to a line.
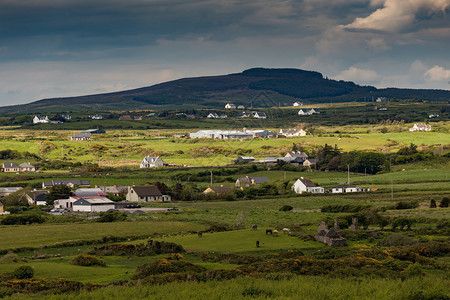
433	116
40	119
241	107
297	104
146	194
302	112
292	132
306	185
152	162
259	115
420	127
97	117
348	189
230	106
300	154
314	111
93	204
213	116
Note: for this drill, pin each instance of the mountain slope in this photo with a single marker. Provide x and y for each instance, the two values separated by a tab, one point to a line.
256	87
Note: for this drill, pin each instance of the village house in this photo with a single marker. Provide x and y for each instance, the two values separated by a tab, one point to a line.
247	159
125	118
26	167
292	132
146	194
310	161
152	162
314	111
10	167
218	190
331	236
433	116
297	104
300	154
63	204
5	191
116	190
420	127
306	185
67	117
212	116
40	119
93	204
245	114
37	198
259	115
82	136
230	106
96	117
248	181
302	112
70	183
241	107
348	189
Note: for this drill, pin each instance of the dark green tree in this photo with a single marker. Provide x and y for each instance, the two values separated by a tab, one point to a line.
59	191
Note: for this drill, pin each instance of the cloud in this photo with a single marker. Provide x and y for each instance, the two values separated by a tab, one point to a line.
437	73
397	15
359	75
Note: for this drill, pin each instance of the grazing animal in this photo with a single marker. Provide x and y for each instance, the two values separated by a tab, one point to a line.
200	234
286	230
275	232
254	226
257	244
268	231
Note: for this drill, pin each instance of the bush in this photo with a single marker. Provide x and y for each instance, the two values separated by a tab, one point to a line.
10	257
347	208
23	219
432	203
444	202
406	205
23	272
151	248
402	223
164	265
87	260
397	240
112	216
286	208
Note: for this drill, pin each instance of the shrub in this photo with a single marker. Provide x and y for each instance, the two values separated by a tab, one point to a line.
23	272
406	205
444	202
402	223
23	219
286	208
397	240
347	208
112	216
164	265
87	260
10	257
432	203
151	248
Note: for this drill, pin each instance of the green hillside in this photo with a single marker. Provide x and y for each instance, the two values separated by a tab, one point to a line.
256	87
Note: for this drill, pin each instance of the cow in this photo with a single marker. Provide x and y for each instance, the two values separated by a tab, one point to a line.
275	232
268	231
254	226
200	234
287	230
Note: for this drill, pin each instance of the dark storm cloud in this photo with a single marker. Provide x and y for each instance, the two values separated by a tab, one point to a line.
71	47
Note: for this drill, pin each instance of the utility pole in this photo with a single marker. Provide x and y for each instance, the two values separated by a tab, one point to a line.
392	189
348	174
211	176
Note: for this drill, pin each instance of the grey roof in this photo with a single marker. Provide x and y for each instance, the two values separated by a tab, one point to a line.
66	182
94	131
93	201
143	191
90	192
26	165
307	182
10	165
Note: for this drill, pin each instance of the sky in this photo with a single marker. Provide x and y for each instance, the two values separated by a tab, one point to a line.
57	48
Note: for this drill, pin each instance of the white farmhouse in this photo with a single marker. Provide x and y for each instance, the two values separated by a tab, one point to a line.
230	106
213	116
302	112
420	127
292	132
297	104
306	185
40	119
152	162
259	115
